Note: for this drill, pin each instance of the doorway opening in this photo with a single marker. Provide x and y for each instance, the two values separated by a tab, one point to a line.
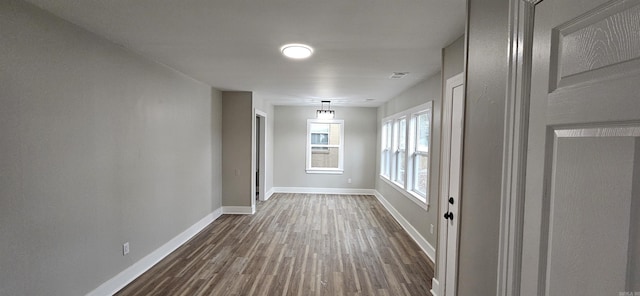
259	157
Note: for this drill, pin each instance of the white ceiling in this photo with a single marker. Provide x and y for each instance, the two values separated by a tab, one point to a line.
235	44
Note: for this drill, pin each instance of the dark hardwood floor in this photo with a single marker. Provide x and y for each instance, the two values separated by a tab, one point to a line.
296	244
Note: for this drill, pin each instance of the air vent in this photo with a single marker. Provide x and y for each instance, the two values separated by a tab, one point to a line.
398	75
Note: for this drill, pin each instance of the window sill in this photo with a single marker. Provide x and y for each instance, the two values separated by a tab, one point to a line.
325	171
419	200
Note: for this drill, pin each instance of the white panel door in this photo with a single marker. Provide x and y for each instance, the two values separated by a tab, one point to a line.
451	172
455	176
581	233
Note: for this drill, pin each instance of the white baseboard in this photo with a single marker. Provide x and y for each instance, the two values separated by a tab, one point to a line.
125	277
238	210
269	194
435	287
315	190
413	233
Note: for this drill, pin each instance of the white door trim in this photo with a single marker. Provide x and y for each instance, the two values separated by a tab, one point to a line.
516	130
447	114
263	153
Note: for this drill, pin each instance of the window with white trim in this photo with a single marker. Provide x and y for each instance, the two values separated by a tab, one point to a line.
400	150
385	157
325	146
405	147
420	130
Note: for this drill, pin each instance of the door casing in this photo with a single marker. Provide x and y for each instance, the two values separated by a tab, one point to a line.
450	183
516	134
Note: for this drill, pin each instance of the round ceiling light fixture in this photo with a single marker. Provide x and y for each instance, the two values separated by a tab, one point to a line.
296	51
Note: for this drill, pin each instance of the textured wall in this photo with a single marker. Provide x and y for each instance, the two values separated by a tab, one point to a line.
483	140
99	146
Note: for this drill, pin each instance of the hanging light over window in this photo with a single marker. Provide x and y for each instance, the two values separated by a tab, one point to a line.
325	113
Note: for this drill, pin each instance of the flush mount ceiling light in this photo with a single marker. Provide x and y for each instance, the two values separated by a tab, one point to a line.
325	113
296	51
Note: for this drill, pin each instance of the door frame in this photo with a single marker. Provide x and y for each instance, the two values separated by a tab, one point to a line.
516	134
439	281
261	164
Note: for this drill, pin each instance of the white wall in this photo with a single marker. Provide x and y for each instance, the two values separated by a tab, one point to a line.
268	108
290	138
237	147
216	148
452	60
452	65
633	266
483	142
98	146
421	219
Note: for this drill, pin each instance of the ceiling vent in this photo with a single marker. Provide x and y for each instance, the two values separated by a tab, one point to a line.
398	75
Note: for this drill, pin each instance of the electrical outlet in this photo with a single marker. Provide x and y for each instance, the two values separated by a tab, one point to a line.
431	230
125	249
349	180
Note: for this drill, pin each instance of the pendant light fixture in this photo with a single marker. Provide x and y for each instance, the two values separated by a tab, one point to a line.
325	113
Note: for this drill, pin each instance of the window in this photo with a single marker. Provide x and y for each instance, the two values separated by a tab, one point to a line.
421	123
325	146
385	158
400	150
319	137
405	148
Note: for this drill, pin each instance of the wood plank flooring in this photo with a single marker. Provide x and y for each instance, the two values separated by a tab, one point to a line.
296	244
